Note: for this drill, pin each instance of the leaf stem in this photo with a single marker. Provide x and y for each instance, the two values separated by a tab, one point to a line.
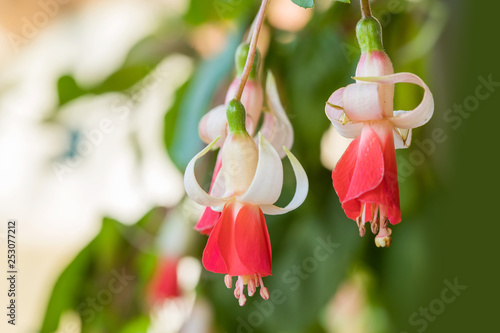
365	8
253	46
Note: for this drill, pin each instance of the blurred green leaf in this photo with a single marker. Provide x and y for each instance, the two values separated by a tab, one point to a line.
304	3
68	89
123	79
202	11
91	284
137	325
66	290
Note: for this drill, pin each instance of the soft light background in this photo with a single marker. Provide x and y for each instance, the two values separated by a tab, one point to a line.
99	104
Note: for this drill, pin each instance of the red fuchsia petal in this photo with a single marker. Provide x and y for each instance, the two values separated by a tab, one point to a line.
342	173
369	169
387	193
210	217
252	240
164	283
207	221
391	182
226	241
212	257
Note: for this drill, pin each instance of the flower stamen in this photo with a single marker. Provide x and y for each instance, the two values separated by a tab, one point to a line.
375	220
383	239
264	293
238	292
251	287
228	281
252	282
361	226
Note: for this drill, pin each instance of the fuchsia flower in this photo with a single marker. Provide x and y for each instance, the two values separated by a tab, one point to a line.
164	284
365	178
276	128
248	183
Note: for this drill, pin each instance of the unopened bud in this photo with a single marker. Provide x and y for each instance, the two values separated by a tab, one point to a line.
236	117
241	59
369	33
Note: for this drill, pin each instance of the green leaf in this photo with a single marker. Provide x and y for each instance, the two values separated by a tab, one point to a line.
201	11
345	1
66	290
304	3
139	324
117	250
68	89
123	79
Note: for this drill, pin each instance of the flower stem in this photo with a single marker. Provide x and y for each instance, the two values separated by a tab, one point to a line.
365	8
248	38
253	46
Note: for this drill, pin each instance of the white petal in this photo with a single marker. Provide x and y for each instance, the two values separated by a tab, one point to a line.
219	188
300	192
349	130
268	179
334	110
334	107
276	126
362	102
213	125
402	136
193	189
416	117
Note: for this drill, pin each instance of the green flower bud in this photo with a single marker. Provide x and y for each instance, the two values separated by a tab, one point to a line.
369	33
241	58
236	117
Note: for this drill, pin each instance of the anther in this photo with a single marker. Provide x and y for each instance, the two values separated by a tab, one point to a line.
361	226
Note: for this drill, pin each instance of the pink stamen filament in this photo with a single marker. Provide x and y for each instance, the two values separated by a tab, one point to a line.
375	219
252	281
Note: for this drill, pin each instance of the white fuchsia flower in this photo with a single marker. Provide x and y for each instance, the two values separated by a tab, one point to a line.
247	185
276	128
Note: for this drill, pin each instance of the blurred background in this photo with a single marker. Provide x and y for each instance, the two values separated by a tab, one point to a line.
99	108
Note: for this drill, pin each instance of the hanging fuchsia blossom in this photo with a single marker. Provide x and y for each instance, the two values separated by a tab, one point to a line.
365	178
249	181
276	128
214	124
